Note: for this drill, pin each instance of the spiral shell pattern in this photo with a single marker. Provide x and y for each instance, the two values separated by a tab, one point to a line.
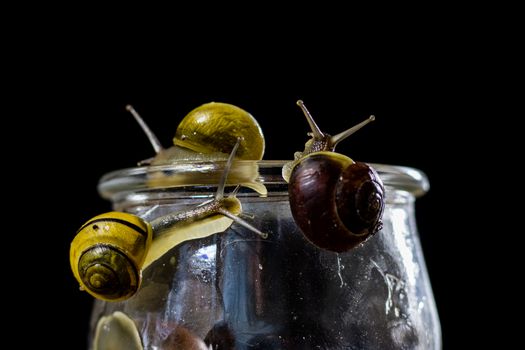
336	202
107	254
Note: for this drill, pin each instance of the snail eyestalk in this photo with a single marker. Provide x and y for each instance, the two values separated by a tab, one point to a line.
157	146
227	167
316	132
329	142
334	140
319	141
243	223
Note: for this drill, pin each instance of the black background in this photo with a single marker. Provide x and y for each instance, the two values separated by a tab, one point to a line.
70	95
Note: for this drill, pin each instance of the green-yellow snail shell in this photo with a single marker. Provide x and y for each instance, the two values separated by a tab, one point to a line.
107	254
215	127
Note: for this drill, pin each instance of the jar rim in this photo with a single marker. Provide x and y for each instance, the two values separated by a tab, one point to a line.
267	172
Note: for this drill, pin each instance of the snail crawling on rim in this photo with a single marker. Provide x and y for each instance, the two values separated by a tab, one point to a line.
336	202
110	251
207	134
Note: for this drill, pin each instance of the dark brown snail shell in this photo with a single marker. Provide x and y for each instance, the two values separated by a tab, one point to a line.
336	202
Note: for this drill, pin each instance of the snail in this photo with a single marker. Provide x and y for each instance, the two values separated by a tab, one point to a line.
208	133
111	250
336	202
210	217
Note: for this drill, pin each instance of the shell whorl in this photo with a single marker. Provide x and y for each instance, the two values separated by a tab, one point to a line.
107	255
360	198
106	271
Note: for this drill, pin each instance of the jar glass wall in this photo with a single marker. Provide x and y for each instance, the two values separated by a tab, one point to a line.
236	290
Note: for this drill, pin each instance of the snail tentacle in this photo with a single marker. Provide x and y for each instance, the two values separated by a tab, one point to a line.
334	140
222	183
243	223
157	146
316	131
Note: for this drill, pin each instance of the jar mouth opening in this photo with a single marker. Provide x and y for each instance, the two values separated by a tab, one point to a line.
246	172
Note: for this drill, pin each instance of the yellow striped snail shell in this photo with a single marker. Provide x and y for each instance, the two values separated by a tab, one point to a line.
107	254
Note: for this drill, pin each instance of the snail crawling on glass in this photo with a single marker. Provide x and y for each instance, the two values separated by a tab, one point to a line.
336	202
111	250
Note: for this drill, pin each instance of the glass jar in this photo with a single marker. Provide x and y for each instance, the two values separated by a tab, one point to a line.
236	290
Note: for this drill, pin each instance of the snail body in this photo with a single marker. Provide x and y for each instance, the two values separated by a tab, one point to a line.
107	254
336	202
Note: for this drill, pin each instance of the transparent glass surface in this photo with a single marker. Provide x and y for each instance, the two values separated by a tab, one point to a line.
235	290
